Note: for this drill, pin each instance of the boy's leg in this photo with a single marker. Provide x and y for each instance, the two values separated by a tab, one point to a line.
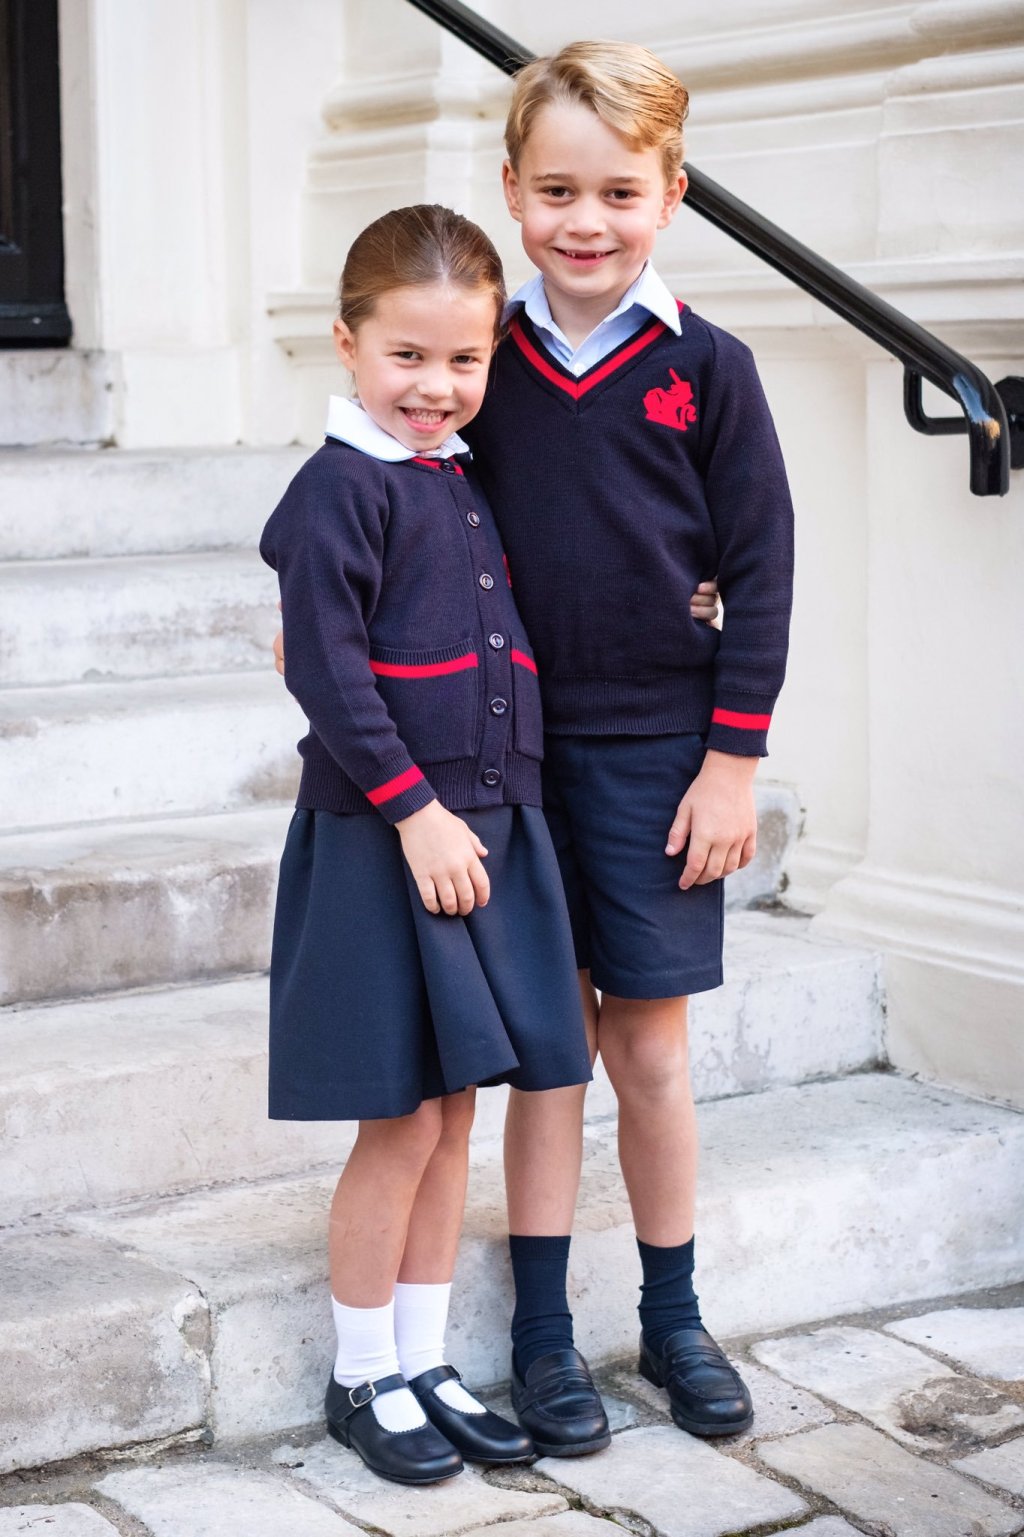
422	1295
551	1387
643	1044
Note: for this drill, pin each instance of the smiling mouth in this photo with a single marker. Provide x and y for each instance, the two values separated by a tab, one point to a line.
583	258
427	421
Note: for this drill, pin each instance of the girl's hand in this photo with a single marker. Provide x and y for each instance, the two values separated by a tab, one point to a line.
703	604
444	855
279	649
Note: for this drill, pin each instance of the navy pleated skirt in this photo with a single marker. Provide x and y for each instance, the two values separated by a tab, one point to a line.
376	1004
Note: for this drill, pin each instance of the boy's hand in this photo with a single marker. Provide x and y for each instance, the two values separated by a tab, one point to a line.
718	816
704	603
444	855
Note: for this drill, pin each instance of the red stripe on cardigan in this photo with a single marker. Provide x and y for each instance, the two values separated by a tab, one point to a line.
387	792
740	721
523	660
435	464
424	669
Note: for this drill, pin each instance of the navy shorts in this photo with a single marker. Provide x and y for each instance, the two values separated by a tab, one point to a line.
609	802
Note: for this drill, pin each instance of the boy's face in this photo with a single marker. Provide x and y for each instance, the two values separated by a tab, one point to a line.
590	208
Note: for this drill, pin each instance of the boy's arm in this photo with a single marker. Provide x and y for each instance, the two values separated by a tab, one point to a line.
752	515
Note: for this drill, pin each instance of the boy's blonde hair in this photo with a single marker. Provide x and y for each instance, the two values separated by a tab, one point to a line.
629	89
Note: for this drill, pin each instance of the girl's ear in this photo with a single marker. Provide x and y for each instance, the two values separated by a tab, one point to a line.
510	185
345	345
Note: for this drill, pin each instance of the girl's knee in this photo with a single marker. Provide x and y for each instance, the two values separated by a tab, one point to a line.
457	1112
411	1138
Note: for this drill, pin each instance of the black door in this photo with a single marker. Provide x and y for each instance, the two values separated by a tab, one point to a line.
32	308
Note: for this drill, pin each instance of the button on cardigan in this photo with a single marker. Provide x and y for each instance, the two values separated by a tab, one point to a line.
396	643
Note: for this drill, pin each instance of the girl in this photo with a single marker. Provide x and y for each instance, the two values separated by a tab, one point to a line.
398	980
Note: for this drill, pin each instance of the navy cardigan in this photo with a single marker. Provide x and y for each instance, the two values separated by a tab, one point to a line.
404	647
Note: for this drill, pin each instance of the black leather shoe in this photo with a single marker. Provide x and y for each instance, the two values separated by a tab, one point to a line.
558	1404
483	1437
420	1456
707	1396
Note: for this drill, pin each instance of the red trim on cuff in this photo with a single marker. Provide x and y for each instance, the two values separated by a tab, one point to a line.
521	658
740	721
401	782
424	669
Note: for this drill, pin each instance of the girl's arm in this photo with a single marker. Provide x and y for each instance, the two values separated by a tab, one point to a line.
326	542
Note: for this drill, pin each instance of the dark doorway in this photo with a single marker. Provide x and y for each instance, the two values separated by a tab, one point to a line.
32	308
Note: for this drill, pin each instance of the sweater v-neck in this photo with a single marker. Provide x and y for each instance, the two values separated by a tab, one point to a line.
523	336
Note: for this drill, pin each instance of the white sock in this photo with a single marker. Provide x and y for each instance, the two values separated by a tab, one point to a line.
366	1351
421	1317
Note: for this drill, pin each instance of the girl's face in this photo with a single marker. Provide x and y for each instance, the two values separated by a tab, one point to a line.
420	360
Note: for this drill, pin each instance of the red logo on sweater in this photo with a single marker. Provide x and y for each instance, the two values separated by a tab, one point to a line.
672	407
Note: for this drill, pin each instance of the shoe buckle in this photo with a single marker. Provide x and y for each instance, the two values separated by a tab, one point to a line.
362	1387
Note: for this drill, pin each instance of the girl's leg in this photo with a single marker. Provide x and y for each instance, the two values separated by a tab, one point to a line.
543	1155
369	1222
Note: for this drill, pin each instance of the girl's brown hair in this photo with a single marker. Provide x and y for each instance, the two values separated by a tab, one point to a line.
413	248
627	86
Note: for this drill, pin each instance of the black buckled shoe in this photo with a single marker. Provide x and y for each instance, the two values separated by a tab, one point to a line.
483	1437
707	1396
420	1456
558	1404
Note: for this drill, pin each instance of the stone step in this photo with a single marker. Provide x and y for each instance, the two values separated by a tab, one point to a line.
91	909
75	502
92	752
211	1308
97	907
144	1093
82	621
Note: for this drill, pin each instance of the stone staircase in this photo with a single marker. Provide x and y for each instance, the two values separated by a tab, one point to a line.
161	1242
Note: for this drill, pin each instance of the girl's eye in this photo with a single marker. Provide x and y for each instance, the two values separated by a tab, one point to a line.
408	357
465	359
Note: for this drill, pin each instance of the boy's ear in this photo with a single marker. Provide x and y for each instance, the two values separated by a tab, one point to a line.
674	194
510	187
345	344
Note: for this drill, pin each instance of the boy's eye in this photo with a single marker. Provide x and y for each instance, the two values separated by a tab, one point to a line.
556	192
622	194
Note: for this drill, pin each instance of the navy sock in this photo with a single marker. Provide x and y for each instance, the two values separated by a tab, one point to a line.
667	1298
541	1321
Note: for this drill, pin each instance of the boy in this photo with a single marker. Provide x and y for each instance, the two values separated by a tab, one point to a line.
628	451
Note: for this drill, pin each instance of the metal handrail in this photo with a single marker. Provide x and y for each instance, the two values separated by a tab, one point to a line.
992	413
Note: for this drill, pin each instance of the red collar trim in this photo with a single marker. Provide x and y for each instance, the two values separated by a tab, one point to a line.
579	387
435	464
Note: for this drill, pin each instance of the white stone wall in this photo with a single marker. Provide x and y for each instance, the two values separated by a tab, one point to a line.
222	153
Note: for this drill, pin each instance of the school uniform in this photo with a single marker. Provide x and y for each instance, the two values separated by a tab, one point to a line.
623	474
407	654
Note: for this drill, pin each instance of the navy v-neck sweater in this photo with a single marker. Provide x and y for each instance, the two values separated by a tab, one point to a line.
616	493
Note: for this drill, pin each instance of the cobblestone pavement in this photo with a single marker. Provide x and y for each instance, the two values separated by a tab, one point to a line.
902	1423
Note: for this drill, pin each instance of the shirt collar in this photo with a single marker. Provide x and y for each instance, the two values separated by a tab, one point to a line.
348	421
648	291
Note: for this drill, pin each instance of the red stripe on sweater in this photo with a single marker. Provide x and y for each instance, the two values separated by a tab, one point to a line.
401	782
740	721
521	658
424	669
574	387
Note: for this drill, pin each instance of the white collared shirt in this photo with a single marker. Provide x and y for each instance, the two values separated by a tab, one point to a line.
349	422
647	296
